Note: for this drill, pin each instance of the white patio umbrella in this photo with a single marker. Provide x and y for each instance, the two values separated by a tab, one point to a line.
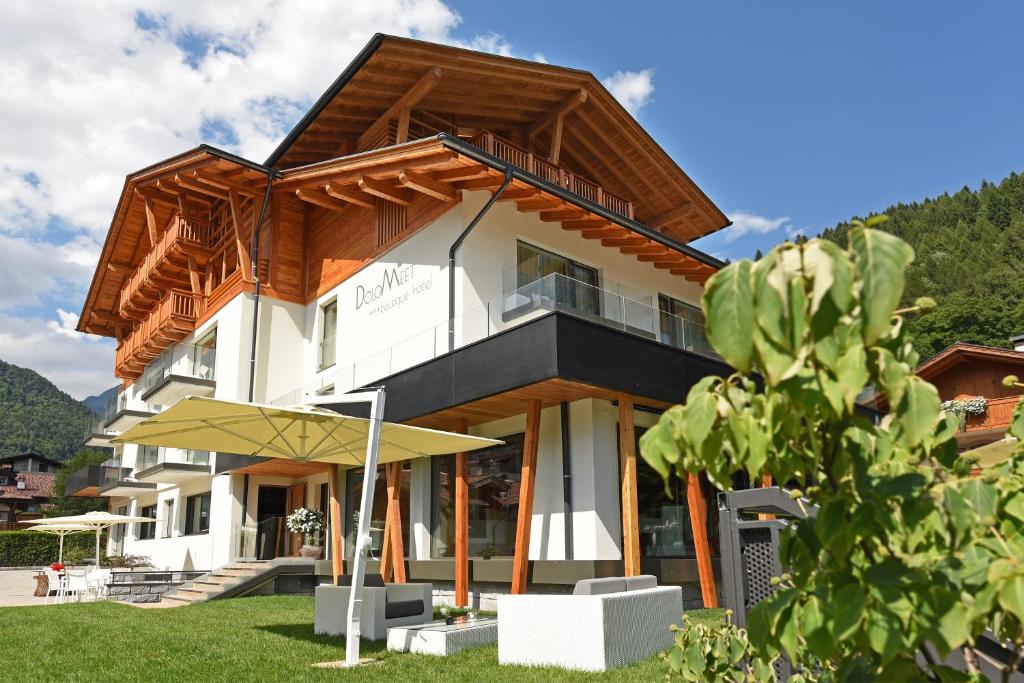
60	530
309	434
97	521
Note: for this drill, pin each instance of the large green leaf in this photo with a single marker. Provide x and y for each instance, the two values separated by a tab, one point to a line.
918	411
728	305
881	260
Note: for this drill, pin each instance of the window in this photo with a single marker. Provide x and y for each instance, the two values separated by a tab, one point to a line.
572	284
147	530
682	325
197	514
353	491
148	457
204	356
329	334
168	518
493	500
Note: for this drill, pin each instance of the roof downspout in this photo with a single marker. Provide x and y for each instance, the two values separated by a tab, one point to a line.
256	279
455	246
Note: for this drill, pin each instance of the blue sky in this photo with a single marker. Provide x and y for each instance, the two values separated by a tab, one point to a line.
791	116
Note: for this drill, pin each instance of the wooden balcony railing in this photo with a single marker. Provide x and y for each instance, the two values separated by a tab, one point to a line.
556	175
183	237
1000	411
173	319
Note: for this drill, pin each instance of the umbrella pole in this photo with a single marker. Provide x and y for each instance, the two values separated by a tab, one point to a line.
97	547
60	552
376	400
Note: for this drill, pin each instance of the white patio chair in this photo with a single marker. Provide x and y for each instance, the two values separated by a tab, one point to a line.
76	583
97	581
53	585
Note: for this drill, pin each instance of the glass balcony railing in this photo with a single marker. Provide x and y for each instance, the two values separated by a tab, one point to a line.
200	362
112	472
612	306
151	456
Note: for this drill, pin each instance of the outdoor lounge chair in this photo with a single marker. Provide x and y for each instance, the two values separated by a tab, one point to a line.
383	606
605	623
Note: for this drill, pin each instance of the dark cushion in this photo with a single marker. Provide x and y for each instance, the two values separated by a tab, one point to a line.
369	580
403	608
611	584
635	583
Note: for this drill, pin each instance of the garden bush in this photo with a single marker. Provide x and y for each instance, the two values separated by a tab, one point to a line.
34	548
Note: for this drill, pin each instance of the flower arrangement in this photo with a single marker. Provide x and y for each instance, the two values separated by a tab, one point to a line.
307	522
976	406
57	566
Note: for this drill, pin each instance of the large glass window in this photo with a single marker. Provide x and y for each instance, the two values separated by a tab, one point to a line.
577	289
329	335
493	500
197	514
353	493
204	356
682	324
147	530
665	529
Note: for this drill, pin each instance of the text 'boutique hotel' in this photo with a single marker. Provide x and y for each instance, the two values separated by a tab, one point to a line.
496	242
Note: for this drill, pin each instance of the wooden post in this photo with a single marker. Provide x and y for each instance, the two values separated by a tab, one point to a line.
394	522
462	523
527	482
627	465
698	522
334	485
244	259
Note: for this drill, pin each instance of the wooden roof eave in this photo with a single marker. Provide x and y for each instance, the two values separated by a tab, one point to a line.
191	160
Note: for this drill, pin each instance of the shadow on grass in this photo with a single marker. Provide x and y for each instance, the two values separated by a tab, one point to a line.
304	632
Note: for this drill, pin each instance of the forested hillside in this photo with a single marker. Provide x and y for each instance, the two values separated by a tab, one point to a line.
37	416
970	259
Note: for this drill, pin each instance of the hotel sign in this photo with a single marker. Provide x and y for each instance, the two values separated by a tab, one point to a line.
397	286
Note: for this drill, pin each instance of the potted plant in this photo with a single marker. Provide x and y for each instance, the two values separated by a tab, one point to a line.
309	523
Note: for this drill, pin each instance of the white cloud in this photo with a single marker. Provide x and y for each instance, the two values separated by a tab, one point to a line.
744	222
77	366
66	324
633	89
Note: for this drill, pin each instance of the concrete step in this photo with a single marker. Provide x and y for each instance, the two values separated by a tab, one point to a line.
175	601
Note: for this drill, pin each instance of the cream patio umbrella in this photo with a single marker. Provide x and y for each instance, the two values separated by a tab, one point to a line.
97	521
310	434
60	530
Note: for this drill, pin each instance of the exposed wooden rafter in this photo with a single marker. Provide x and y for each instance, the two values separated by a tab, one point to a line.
350	194
418	90
426	185
244	259
558	111
321	200
385	191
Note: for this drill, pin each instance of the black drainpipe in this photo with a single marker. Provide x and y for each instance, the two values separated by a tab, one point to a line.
455	246
566	479
256	298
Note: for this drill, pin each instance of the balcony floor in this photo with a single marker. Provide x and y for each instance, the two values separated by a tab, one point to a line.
173	473
173	388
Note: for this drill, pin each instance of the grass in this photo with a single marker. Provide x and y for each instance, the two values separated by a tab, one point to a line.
258	638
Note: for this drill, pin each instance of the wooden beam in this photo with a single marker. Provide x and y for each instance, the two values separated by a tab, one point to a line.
514	194
150	222
244	259
402	131
426	185
559	215
527	486
603	233
415	93
461	173
627	465
623	241
120	269
394	516
334	488
647	249
193	276
322	201
671	216
591	222
561	109
483	183
462	522
698	523
539	204
227	183
155	194
200	186
556	141
385	191
348	193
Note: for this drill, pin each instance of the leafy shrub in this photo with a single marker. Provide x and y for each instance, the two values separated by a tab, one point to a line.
713	652
34	548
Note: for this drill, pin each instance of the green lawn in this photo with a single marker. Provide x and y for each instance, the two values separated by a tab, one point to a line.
259	638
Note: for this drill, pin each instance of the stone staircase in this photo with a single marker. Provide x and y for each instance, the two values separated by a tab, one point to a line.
238	578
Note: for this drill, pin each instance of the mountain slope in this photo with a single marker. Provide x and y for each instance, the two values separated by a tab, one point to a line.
37	416
969	257
98	403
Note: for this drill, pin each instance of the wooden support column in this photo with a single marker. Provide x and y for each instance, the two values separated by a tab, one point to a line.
699	524
394	565
150	223
627	465
462	523
193	276
334	486
527	485
244	259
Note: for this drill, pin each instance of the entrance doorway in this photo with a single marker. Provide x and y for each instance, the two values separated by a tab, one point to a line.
272	538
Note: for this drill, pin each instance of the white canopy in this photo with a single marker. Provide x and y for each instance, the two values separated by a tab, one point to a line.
92	520
60	530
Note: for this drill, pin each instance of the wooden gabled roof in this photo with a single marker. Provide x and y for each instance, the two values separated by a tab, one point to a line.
959	352
126	243
483	91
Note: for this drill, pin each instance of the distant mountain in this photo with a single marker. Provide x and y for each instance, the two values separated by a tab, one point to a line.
98	404
37	416
969	258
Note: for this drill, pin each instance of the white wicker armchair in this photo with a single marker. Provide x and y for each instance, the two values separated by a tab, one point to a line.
587	632
384	606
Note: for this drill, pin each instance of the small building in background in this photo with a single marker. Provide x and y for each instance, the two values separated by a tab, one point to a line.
26	484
